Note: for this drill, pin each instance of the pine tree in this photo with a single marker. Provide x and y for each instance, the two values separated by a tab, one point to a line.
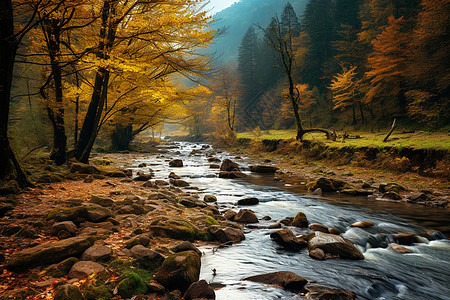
247	66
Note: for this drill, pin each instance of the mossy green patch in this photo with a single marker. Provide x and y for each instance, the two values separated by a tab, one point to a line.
211	221
61	269
131	285
75	214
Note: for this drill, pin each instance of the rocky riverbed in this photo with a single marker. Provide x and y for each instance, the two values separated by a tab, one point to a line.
120	232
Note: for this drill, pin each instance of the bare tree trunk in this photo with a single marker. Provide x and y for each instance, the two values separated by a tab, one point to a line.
390	132
362	113
8	49
52	34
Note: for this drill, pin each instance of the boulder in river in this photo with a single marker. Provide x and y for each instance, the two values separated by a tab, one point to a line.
405	238
286	280
227	234
179	270
176	163
228	166
286	238
362	224
399	249
300	220
172	175
229	214
179	182
200	290
245	216
263	169
231	174
328	185
143	177
248	201
318	227
210	198
334	246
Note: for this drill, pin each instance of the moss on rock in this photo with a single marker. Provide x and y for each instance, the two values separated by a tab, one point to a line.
132	285
179	270
75	214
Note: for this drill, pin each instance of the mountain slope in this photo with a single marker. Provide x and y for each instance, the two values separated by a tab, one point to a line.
241	15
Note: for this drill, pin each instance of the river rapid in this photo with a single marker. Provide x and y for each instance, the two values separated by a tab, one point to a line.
383	274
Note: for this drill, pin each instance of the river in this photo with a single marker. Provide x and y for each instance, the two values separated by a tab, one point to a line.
383	274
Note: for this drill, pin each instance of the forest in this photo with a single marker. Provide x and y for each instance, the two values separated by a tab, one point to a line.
135	136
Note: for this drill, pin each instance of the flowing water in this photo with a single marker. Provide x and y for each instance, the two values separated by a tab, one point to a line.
383	274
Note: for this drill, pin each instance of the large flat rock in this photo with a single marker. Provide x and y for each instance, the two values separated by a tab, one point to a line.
51	252
333	246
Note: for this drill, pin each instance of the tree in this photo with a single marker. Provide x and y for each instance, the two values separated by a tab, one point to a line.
289	21
247	73
283	47
150	39
427	72
317	22
346	88
9	43
387	63
226	93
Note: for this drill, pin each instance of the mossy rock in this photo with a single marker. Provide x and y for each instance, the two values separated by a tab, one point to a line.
178	229
92	292
76	214
211	221
49	178
49	253
179	270
84	169
300	220
61	269
327	185
132	285
391	187
38	224
68	291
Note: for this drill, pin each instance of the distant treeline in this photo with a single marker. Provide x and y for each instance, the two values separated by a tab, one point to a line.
355	62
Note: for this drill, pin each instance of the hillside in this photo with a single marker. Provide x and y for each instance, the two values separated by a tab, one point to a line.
239	16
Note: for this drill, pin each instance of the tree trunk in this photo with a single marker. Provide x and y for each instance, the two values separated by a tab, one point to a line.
363	121
52	30
354	114
122	137
92	119
8	49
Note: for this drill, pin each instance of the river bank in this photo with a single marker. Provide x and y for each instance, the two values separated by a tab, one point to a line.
419	181
132	200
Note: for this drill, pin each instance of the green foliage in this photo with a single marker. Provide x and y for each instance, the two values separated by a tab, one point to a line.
132	285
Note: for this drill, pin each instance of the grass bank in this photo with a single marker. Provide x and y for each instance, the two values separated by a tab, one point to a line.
416	140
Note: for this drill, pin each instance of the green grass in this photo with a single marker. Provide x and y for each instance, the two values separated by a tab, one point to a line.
419	139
